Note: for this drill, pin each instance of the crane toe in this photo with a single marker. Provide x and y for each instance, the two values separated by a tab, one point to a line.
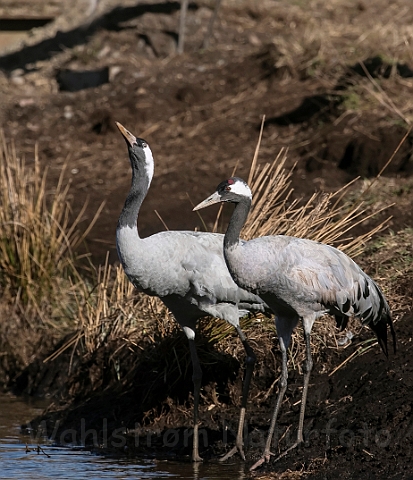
264	459
232	452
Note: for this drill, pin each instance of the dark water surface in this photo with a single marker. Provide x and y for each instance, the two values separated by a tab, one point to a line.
21	459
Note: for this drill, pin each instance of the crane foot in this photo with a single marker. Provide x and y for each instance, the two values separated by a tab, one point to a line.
265	458
232	452
287	451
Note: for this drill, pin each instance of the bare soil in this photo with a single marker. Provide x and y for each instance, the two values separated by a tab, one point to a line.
340	106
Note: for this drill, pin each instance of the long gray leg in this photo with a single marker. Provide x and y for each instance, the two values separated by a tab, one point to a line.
282	388
307	367
182	22
196	378
211	24
249	369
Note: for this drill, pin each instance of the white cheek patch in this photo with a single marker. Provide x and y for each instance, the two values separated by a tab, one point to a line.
149	162
241	188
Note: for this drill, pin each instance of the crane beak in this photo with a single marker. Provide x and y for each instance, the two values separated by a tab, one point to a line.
130	139
214	198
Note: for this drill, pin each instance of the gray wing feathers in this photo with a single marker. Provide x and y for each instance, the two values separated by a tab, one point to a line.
343	287
356	293
311	276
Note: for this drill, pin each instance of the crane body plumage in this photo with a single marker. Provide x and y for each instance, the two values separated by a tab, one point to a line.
192	255
300	280
306	277
186	270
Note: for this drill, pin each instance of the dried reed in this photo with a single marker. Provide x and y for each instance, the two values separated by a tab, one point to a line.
109	310
38	236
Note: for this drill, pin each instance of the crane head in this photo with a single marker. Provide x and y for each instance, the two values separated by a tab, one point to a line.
140	153
232	190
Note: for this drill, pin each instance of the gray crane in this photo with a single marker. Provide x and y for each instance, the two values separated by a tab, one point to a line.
187	271
300	280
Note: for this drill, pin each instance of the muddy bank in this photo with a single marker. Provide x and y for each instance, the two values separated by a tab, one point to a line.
358	420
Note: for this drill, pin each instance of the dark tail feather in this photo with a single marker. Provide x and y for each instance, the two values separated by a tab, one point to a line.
380	329
341	322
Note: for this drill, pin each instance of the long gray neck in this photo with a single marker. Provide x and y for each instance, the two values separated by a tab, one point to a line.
133	202
238	218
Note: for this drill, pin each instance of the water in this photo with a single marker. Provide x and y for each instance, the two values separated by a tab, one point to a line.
20	459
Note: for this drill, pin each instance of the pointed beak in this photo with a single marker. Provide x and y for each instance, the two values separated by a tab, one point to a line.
214	198
130	139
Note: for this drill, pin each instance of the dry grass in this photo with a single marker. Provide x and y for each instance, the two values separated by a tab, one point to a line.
324	40
326	218
39	234
38	266
37	239
391	259
323	34
109	310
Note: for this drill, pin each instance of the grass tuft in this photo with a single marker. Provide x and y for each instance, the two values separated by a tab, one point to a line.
38	233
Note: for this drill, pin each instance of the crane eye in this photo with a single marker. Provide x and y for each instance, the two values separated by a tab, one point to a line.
228	189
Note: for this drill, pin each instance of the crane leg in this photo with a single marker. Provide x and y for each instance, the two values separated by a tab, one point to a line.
282	388
196	378
211	24
249	369
182	21
307	367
